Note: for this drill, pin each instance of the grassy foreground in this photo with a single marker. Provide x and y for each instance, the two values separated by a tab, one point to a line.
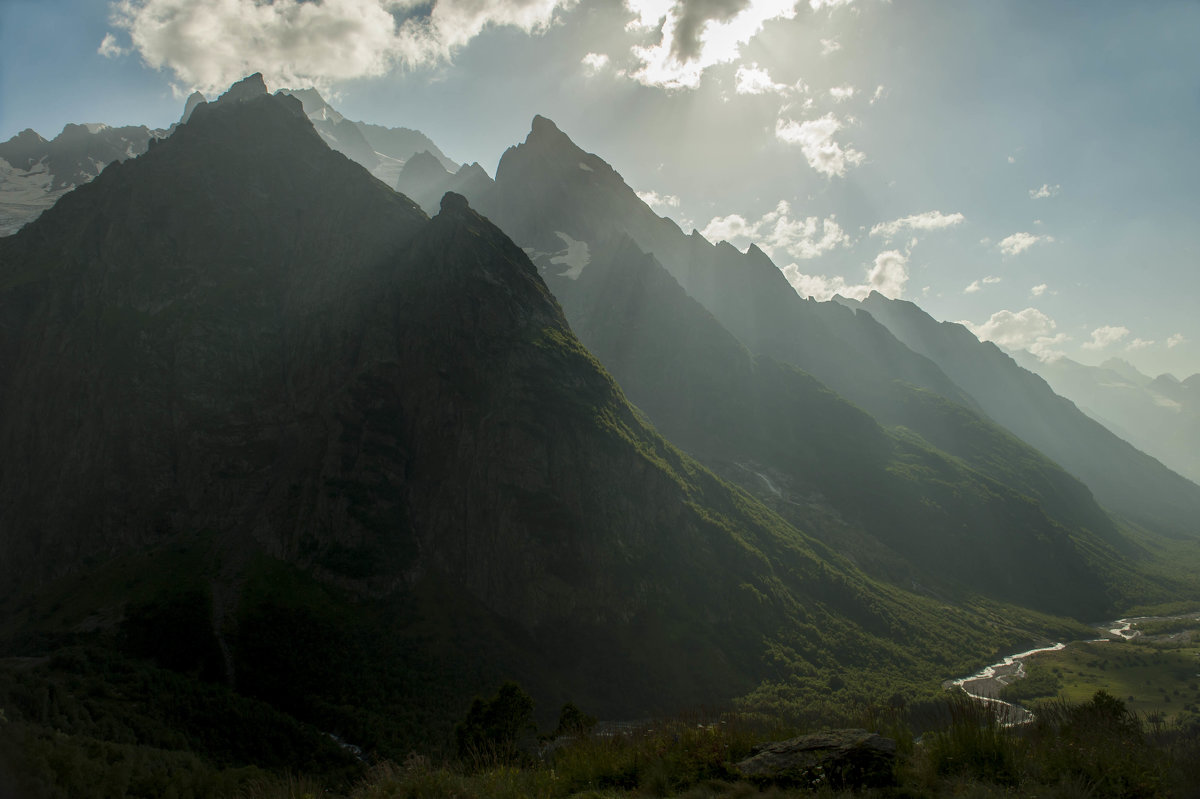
1096	748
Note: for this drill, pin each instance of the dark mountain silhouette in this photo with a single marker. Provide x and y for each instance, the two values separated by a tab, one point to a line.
360	457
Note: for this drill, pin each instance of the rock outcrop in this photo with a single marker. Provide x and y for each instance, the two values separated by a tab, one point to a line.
839	759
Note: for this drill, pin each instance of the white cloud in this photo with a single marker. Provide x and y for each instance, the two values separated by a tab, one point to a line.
817	5
649	13
815	138
1038	290
1045	191
1012	159
656	200
109	47
1175	340
830	46
1029	329
930	220
878	95
778	234
888	275
730	228
594	62
842	93
979	284
1138	344
752	80
1018	243
1105	336
697	34
209	44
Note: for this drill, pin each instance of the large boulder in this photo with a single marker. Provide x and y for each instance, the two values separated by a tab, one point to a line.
838	758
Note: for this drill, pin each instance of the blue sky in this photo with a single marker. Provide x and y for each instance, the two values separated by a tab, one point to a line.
1028	167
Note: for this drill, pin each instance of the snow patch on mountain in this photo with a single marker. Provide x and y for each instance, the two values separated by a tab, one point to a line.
576	256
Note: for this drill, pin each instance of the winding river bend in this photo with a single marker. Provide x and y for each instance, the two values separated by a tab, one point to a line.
986	684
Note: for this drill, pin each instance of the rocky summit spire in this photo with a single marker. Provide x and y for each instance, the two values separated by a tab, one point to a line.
245	89
194	99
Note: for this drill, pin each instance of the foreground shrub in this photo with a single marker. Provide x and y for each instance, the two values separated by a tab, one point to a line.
1100	744
491	731
975	744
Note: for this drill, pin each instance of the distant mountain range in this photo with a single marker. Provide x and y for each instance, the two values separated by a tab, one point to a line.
1159	415
34	172
1124	479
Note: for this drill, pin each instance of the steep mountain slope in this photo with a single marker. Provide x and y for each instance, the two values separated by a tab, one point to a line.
261	420
1160	416
548	187
553	198
887	500
1124	479
34	172
559	201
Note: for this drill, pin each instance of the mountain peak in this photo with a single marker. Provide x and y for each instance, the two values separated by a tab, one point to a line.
1116	363
315	107
1126	370
543	127
424	162
453	202
544	132
194	99
247	88
28	136
471	170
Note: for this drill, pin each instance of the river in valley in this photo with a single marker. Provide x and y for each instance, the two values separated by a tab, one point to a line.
986	684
